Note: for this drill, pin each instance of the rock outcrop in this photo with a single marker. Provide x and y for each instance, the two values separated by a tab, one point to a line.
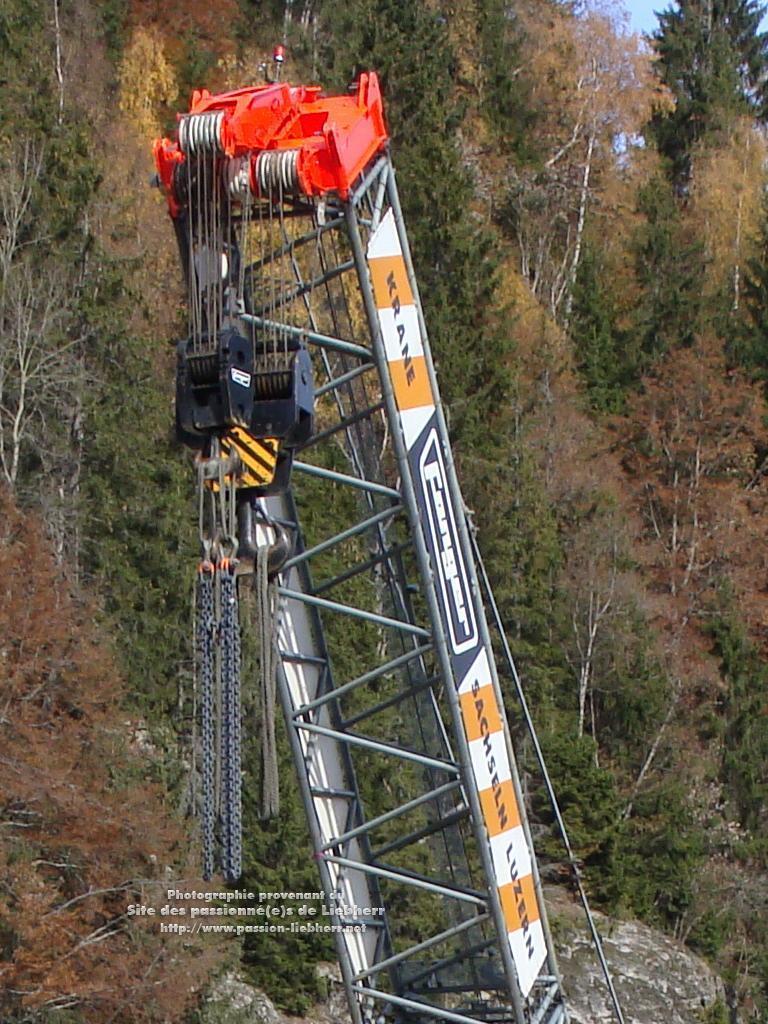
656	978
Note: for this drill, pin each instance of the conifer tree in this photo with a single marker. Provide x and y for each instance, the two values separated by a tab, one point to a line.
596	338
745	746
669	269
749	346
507	90
713	58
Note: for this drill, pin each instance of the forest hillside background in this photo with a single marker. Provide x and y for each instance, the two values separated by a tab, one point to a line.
589	219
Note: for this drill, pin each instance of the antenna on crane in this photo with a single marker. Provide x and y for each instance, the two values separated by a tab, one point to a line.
272	70
278	57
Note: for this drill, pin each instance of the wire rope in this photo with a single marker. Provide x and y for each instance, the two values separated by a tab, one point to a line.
572	861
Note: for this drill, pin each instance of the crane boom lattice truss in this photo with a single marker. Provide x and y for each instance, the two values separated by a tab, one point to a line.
386	674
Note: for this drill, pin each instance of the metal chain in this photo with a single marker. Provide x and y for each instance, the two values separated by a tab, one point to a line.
229	633
205	625
236	810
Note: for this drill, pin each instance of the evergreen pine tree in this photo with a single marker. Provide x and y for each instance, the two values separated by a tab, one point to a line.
669	270
745	741
599	355
748	346
506	96
713	58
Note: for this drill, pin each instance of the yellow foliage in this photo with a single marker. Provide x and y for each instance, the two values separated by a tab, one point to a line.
147	81
539	342
726	202
589	77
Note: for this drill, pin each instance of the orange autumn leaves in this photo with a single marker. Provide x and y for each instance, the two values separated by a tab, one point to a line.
81	832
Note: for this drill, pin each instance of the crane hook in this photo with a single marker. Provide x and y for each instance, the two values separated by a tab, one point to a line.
280	549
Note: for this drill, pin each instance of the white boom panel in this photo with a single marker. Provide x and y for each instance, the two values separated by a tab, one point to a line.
483	718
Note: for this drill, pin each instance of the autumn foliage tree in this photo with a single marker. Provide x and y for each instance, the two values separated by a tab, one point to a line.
693	449
592	91
82	834
713	57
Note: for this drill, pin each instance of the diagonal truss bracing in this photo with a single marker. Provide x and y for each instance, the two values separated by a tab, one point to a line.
387	680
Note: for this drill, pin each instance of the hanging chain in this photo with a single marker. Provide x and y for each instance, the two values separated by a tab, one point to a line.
229	639
217	632
218	653
206	627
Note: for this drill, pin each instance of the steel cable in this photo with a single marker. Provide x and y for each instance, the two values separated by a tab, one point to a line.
573	863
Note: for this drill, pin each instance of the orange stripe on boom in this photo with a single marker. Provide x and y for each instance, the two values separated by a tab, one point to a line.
410	383
500	810
518	901
390	282
480	712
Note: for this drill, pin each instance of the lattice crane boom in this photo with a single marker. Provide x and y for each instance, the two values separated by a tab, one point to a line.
306	380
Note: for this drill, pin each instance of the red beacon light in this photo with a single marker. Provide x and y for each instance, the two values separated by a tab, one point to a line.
277	135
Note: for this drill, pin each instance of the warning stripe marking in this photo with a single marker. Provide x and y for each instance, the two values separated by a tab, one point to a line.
254	453
257	455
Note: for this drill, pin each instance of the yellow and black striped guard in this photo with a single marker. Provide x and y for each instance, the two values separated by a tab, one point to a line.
258	456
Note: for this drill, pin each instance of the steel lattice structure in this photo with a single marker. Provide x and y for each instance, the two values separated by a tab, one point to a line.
391	590
462	969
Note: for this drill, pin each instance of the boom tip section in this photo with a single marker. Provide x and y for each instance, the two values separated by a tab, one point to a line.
290	135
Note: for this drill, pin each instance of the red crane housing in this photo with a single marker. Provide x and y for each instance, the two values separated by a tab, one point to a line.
330	139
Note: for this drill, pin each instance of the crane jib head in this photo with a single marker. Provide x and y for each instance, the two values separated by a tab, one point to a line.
275	148
277	134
